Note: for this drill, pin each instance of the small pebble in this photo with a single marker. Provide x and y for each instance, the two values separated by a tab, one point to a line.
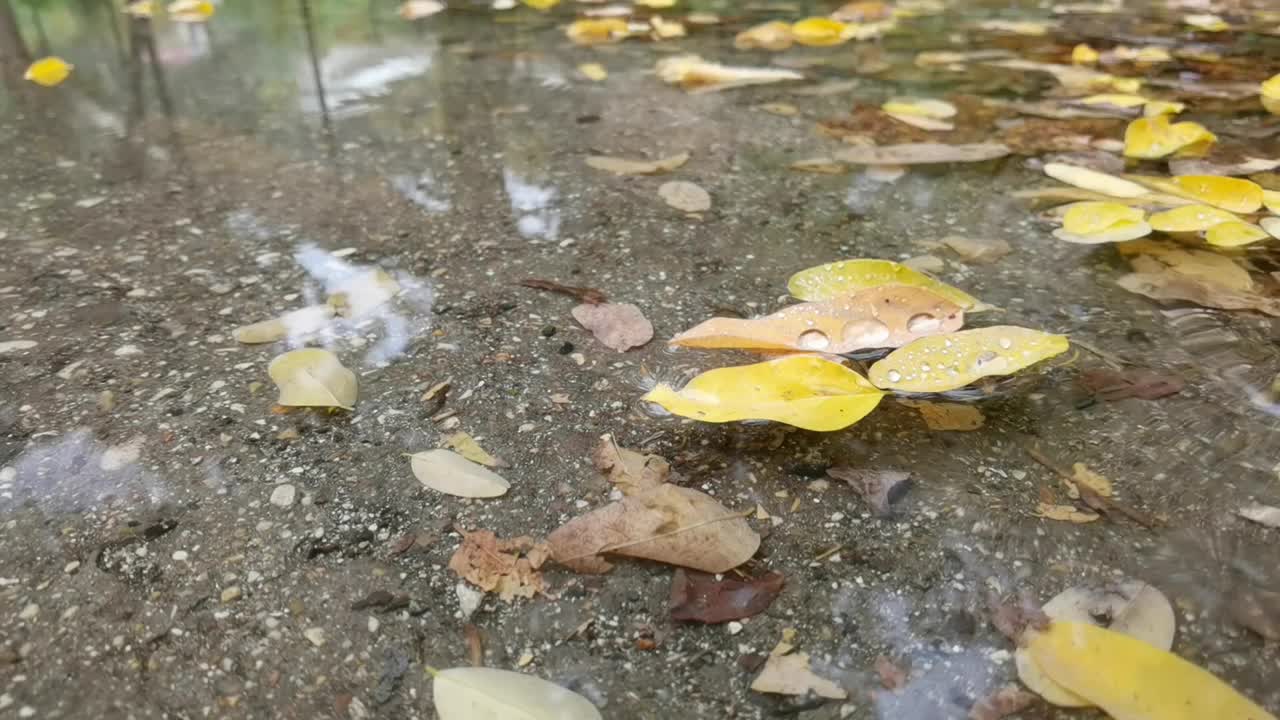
284	495
29	612
71	567
734	627
231	594
314	635
180	555
374	624
548	331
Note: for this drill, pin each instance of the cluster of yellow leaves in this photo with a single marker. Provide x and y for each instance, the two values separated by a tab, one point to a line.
863	20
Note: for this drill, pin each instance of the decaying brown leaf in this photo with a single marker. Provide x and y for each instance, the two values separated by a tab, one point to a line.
1033	136
1002	703
581	294
977	250
699	597
948	416
1090	480
629	470
507	567
1065	513
620	326
879	317
823	165
878	488
625	166
1109	385
1150	256
686	196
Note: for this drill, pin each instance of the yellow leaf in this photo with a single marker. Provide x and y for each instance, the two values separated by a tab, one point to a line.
191	10
666	29
467	447
139	9
1065	513
1162	107
1082	177
847	277
946	362
818	32
49	71
775	35
593	71
1152	54
541	4
1093	218
1082	54
1155	137
1271	199
922	107
1270	94
1235	234
804	390
1121	100
1189	218
1206	22
1120	232
1208	267
656	4
312	377
597	31
1132	680
1090	479
1233	194
1016	27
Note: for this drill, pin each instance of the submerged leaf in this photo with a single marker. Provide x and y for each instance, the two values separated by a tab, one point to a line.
473	693
597	31
1169	285
686	196
878	488
593	71
948	416
312	377
819	32
623	166
1155	137
922	153
699	597
48	71
696	75
1235	234
507	567
1093	180
805	391
450	473
1209	267
295	324
947	362
847	277
775	35
888	316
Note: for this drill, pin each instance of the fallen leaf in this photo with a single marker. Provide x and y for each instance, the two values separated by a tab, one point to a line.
1189	218
1090	223
418	9
879	489
624	166
472	693
892	676
1235	234
467	447
774	35
1082	475
791	675
1074	78
685	196
922	154
619	326
1155	137
695	75
878	317
597	31
1209	267
1016	27
1229	193
861	11
1065	513
1140	383
295	324
190	11
1270	94
1131	680
542	5
801	390
1268	515
699	597
823	165
593	71
581	294
1093	180
948	416
1271	225
977	250
1002	703
947	362
1082	54
450	473
629	470
475	644
781	109
1173	286
1248	166
924	113
507	567
666	29
49	71
819	32
847	277
1206	22
312	377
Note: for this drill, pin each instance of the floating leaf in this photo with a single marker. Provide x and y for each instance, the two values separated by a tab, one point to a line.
1209	267
924	113
467	447
1093	180
922	153
473	693
191	11
597	31
593	71
1155	137
48	71
312	377
1233	194
847	277
686	196
418	9
775	36
805	391
1235	234
1131	607
542	5
623	166
619	326
947	362
696	75
1169	285
507	567
296	324
1082	54
1270	94
888	316
819	32
1132	680
1189	218
450	473
791	675
699	597
1091	223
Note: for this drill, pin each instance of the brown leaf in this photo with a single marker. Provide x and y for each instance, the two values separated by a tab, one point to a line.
475	644
629	470
1108	384
508	567
977	250
623	166
948	416
1037	135
891	675
1150	256
889	316
1002	703
878	488
667	523
699	597
1172	286
581	294
1065	513
620	326
790	675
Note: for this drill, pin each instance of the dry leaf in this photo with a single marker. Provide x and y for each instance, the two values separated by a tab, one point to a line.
823	165
472	693
312	377
1140	383
791	675
629	470
507	567
684	195
699	597
1089	479
1065	513
879	489
1173	286
467	447
922	154
695	75
1004	702
418	9
581	294
1208	267
620	326
452	474
948	416
624	166
879	317
977	250
1268	515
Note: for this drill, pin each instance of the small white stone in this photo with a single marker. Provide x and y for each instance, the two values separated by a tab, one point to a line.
125	350
374	624
469	599
29	612
314	635
734	627
71	567
180	555
231	594
26	711
5	701
284	495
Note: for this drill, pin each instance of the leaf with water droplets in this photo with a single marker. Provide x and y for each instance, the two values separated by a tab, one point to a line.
881	317
1233	194
803	390
947	362
473	693
846	277
312	377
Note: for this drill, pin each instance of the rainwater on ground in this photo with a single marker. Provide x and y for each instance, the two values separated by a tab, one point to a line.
172	546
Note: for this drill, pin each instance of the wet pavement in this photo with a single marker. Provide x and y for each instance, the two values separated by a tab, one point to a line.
174	546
